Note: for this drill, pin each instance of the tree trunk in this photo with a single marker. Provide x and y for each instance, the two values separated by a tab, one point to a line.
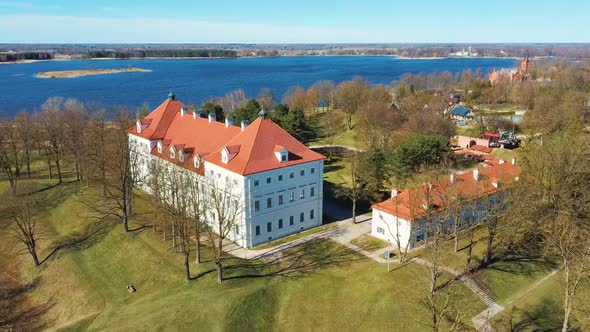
13	183
469	250
349	121
197	243
49	167
456	233
33	251
77	169
566	298
490	249
187	268
354	211
28	160
219	271
173	235
59	177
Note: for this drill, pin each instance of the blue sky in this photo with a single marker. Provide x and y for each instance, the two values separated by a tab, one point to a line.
302	21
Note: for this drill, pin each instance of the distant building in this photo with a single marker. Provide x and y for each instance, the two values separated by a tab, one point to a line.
402	219
277	180
464	53
519	74
461	113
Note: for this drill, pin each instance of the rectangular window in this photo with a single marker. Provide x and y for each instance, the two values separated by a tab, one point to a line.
268	179
302	172
312	192
269	227
301	217
291	220
380	230
280	199
291	175
256	205
312	170
280	223
256	183
302	194
257	230
281	177
311	214
269	202
291	196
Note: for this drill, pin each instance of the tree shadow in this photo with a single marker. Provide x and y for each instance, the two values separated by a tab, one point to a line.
90	235
298	261
522	265
18	313
545	316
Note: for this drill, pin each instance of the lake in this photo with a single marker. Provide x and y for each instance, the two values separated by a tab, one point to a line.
197	80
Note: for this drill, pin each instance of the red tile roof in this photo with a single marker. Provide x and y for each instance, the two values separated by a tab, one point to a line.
257	146
409	204
254	146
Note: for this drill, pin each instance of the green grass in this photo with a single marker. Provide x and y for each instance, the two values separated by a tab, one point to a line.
295	236
342	135
369	243
319	286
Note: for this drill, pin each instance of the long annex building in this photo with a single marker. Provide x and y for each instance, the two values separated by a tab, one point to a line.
277	180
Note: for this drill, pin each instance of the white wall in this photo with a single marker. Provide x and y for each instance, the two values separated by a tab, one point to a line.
471	213
248	192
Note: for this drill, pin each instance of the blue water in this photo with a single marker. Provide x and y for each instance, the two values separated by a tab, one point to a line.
197	80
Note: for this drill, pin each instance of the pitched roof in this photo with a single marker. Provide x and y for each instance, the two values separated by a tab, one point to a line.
410	204
257	146
460	110
254	146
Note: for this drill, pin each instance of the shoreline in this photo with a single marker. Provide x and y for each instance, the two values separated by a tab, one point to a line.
87	72
251	57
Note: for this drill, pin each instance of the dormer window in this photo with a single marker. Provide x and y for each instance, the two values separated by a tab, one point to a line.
181	156
229	152
196	161
172	153
160	147
281	153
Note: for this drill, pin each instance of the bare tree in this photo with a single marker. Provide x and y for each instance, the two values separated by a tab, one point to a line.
225	211
556	201
196	206
24	226
325	91
75	125
266	99
97	135
354	188
24	124
350	95
296	98
53	131
11	155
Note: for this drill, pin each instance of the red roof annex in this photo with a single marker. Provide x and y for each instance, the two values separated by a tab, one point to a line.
254	146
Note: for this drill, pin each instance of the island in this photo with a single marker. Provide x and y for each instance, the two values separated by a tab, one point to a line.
86	72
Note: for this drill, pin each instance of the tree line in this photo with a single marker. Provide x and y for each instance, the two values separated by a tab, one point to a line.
179	53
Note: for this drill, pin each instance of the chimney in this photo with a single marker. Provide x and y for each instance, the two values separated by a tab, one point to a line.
452	178
501	161
229	121
196	114
476	174
212	117
244	124
394	192
514	161
183	111
495	182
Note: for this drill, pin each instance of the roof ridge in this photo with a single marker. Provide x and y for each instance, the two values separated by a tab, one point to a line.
254	141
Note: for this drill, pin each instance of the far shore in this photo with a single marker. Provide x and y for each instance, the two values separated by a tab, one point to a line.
247	57
87	72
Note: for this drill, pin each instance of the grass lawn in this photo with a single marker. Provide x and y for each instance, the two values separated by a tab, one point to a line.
295	236
342	136
369	243
317	286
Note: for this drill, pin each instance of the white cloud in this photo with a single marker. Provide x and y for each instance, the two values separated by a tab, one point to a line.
70	29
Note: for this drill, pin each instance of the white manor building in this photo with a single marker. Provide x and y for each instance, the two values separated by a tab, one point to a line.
277	180
401	220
